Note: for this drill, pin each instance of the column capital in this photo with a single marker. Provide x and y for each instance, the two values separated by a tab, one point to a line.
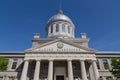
81	60
50	59
26	60
91	61
37	60
69	59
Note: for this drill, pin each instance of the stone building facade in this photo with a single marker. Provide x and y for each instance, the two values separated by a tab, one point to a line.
59	56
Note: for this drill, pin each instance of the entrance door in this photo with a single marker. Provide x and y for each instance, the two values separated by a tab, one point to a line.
59	77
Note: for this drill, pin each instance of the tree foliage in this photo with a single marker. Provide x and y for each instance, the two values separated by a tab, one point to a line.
3	63
116	67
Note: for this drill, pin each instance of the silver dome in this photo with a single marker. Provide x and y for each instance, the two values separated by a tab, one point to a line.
60	16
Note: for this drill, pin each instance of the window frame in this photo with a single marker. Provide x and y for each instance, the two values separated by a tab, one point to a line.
63	27
14	63
57	28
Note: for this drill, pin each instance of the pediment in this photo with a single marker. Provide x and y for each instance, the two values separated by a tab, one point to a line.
59	46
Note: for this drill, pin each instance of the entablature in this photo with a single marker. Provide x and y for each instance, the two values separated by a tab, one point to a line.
59	56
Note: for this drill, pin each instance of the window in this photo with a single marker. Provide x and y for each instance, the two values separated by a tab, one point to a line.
11	78
14	64
105	63
52	29
45	66
97	62
74	66
63	27
109	78
68	29
57	27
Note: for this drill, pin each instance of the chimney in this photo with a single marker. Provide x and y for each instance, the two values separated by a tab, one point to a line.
83	35
36	35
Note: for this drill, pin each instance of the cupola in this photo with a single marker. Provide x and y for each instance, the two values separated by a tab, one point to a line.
60	26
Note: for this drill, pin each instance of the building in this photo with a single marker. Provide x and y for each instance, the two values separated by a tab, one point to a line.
60	56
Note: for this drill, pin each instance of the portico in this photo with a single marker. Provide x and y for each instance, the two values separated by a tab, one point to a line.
58	68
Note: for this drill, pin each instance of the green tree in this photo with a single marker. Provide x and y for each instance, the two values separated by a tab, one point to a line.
116	67
3	63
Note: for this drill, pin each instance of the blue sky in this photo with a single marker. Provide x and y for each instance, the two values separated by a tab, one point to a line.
20	19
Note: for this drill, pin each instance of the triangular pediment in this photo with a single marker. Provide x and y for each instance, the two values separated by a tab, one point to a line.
59	46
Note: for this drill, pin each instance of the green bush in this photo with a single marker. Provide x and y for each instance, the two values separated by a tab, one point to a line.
116	67
3	63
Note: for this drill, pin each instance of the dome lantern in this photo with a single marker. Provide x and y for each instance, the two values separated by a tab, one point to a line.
60	26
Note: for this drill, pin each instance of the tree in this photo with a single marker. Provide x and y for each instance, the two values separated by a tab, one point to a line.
3	63
116	67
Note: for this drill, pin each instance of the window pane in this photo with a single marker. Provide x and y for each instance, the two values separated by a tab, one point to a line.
105	63
52	29
97	62
57	27
68	29
46	66
63	27
14	63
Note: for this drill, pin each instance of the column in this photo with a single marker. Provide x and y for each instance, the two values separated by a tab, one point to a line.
83	70
37	70
109	64
96	73
50	70
24	72
54	28
70	70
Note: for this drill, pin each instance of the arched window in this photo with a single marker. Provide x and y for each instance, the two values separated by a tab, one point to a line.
57	27
63	27
68	29
51	28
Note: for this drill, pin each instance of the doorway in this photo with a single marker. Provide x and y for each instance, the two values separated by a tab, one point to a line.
59	77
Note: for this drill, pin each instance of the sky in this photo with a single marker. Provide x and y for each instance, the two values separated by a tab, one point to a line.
20	19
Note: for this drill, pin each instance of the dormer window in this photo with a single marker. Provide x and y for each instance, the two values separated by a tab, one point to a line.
63	27
57	27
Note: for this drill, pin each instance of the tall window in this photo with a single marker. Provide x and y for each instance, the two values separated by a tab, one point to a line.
45	66
105	63
57	27
51	28
74	66
63	27
68	29
14	64
97	62
109	78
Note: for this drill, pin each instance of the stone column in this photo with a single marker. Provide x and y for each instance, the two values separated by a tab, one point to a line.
96	73
24	72
70	70
83	70
37	70
109	64
50	70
